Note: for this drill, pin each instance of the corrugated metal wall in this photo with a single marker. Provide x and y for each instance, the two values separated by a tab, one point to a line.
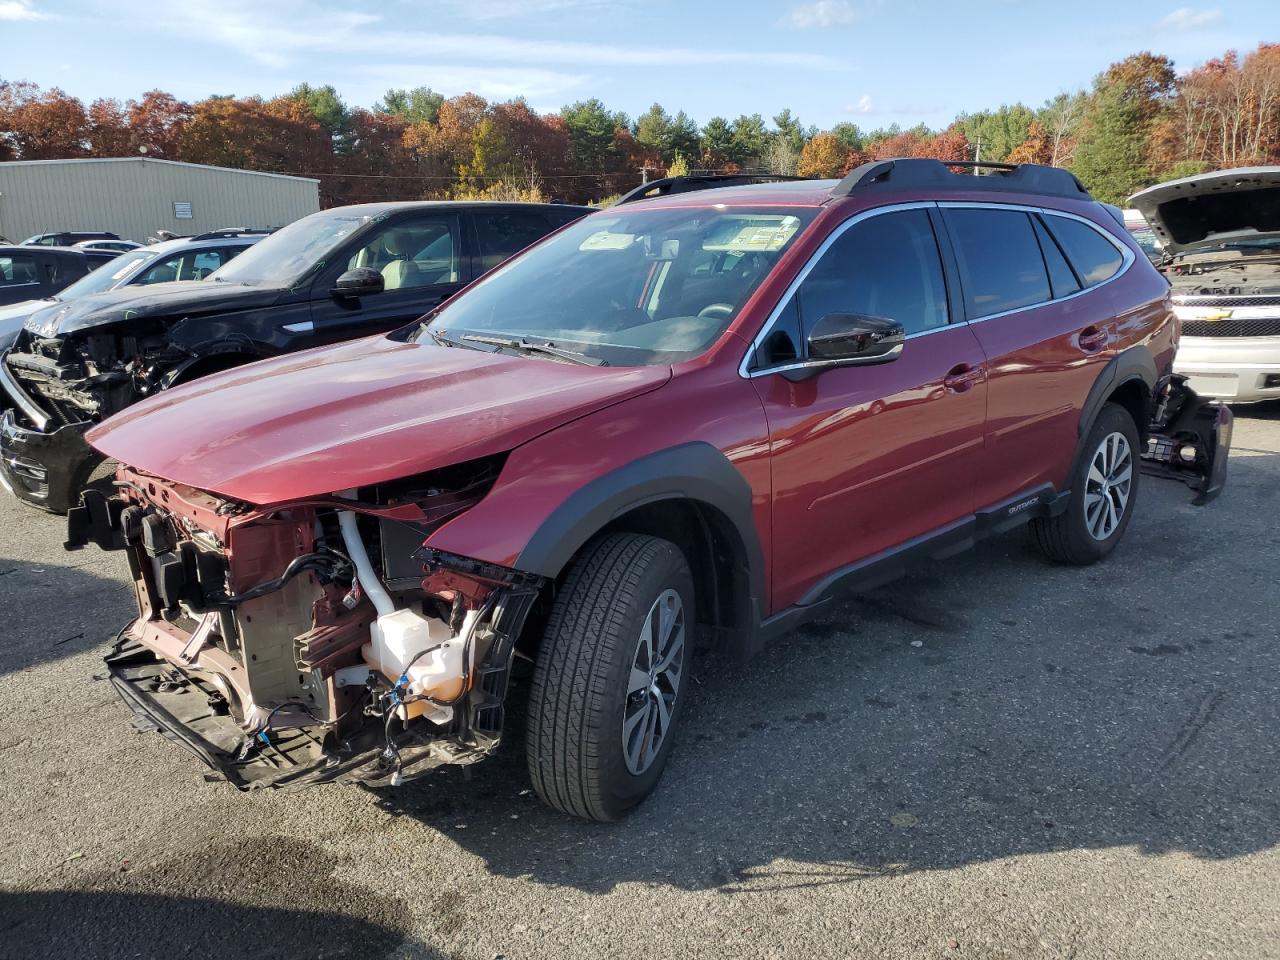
135	196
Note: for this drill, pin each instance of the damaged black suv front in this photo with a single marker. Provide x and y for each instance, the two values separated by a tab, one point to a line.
73	367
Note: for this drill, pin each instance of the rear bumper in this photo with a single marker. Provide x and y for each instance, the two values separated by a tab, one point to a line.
1189	441
1235	369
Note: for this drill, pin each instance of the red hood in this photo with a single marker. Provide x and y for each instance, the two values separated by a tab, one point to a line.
355	414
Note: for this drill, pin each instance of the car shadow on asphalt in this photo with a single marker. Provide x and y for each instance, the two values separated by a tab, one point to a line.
990	707
52	611
109	925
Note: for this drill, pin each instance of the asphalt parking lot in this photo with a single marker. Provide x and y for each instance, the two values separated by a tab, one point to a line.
994	758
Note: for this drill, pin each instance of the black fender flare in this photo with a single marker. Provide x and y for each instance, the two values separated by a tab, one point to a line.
693	471
1135	363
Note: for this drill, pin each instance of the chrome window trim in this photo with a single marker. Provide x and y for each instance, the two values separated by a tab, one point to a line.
1127	256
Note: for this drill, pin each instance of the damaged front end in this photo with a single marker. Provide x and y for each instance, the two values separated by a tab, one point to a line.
1189	440
311	641
58	388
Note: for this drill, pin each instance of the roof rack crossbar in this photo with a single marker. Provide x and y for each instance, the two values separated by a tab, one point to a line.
912	173
670	185
225	233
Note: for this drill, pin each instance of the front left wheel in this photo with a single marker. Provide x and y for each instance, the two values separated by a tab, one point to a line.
610	677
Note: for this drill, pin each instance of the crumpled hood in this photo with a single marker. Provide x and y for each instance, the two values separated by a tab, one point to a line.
355	414
14	316
183	298
1201	212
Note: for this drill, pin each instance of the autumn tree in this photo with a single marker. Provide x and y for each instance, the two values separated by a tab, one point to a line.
1037	148
156	123
822	157
108	132
1111	155
47	125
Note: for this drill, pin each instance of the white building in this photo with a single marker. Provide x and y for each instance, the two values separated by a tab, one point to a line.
136	196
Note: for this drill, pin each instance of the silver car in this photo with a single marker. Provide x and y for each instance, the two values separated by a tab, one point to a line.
1220	234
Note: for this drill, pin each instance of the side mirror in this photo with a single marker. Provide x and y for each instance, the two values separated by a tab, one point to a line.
855	338
359	282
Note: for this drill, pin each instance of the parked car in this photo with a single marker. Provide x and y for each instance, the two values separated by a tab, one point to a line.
704	414
189	258
28	273
1220	233
338	274
67	238
114	246
1142	234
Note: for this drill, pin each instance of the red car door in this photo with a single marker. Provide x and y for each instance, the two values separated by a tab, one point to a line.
865	458
1045	334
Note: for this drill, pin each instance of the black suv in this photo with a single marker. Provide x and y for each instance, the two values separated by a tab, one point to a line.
33	273
335	275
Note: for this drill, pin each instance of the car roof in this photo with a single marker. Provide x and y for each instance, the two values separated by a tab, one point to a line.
194	243
789	193
374	209
906	177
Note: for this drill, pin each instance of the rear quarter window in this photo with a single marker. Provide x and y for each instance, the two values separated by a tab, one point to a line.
1094	257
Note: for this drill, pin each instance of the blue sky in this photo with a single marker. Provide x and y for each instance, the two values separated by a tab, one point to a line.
873	62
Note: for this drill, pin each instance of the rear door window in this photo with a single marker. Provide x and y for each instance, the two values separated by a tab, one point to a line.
1094	256
1001	267
504	234
18	270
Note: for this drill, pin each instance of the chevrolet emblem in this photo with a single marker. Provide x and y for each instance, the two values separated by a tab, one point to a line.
1216	316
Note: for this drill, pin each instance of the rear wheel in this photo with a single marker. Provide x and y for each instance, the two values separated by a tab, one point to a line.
610	676
1103	492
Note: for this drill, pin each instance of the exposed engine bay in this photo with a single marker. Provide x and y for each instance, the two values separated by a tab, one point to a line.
93	374
311	641
1224	274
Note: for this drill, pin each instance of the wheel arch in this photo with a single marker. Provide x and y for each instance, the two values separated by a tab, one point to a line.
691	495
209	363
1130	379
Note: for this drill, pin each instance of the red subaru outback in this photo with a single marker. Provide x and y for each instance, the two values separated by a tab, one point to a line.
700	412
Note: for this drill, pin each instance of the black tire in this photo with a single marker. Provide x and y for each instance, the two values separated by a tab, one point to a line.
1066	538
579	693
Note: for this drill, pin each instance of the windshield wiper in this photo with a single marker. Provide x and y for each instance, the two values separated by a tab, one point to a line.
529	346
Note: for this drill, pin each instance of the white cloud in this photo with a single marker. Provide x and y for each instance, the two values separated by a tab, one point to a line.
278	36
20	10
493	83
821	14
864	105
1185	19
526	9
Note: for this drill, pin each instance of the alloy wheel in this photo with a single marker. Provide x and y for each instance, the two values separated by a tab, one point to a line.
1107	486
654	682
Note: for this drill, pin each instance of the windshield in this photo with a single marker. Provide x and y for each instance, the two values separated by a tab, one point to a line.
107	276
1146	239
627	287
288	255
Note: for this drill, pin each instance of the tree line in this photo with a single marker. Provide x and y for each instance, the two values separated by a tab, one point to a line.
1137	123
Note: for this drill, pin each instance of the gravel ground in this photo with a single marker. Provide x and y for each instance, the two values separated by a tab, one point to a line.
993	758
